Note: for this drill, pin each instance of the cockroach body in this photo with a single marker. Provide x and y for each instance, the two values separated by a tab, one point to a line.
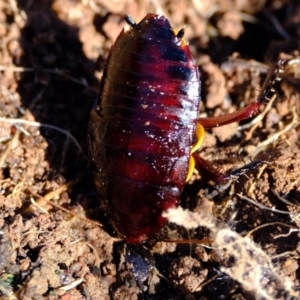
142	132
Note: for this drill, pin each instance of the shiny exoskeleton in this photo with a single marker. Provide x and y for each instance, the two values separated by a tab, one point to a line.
142	130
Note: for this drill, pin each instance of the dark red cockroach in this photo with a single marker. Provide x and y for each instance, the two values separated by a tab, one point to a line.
142	132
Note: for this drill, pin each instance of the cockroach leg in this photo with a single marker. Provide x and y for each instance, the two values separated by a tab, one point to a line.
208	171
236	116
191	168
267	93
129	21
246	168
264	97
180	33
199	134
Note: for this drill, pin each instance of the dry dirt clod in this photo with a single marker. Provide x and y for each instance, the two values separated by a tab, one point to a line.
187	274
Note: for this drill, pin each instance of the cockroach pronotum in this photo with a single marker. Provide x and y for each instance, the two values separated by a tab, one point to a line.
145	129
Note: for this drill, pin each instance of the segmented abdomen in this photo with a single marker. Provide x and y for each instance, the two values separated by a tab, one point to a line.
141	132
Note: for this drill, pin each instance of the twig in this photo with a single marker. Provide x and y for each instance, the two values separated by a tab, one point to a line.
281	198
202	285
274	137
48	197
49	126
287	253
271	224
9	147
97	258
35	204
71	285
273	209
16	69
13	68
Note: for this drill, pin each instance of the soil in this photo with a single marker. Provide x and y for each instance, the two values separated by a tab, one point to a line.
55	242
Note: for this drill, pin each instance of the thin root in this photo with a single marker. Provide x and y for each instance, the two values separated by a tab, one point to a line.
49	126
47	200
275	136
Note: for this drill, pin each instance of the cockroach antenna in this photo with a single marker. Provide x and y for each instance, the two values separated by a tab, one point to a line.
129	21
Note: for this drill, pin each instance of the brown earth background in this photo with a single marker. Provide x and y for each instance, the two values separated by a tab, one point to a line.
51	60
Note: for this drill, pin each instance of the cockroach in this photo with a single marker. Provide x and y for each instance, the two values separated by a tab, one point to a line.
145	130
